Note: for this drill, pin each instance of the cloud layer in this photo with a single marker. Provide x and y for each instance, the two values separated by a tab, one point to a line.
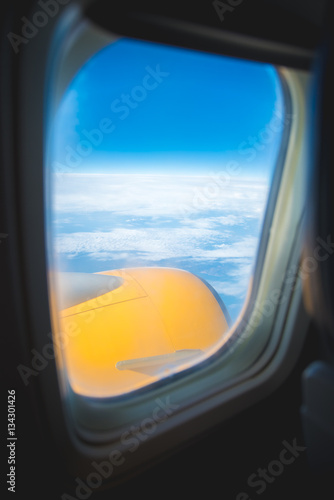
205	224
158	195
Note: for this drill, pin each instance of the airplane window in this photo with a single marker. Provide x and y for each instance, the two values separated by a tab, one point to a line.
160	164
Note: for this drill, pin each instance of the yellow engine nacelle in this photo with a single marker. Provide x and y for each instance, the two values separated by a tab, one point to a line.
123	329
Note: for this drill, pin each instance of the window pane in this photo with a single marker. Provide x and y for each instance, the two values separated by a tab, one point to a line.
161	161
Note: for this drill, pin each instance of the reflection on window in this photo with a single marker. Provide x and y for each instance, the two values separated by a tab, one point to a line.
161	163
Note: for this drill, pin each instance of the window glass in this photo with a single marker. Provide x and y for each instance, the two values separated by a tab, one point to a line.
161	161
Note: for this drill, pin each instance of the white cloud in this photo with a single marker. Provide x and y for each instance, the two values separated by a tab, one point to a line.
235	289
167	218
238	279
215	222
157	195
154	245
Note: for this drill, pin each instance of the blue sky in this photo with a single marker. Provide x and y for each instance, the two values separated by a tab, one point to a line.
163	107
164	157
